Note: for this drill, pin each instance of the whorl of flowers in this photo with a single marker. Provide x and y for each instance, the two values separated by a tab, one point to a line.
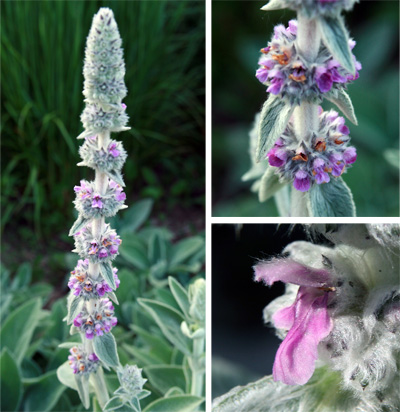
82	285
312	8
92	205
81	362
111	158
288	74
96	323
327	156
101	249
104	71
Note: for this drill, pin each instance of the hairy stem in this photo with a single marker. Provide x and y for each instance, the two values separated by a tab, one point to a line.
305	116
197	368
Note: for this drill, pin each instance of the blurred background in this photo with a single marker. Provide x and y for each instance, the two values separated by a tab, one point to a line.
42	51
239	30
43	45
243	348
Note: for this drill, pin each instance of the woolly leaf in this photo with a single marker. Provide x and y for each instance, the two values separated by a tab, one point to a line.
274	5
177	403
112	296
106	272
333	199
80	223
10	382
322	393
74	307
106	349
180	295
162	377
269	185
275	116
82	384
336	39
101	391
343	102
116	176
282	201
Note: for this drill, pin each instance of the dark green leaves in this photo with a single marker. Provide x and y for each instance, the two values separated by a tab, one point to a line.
44	393
106	349
336	39
17	330
106	272
275	116
10	382
333	199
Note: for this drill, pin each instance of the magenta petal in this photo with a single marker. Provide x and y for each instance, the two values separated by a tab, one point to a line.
295	360
289	271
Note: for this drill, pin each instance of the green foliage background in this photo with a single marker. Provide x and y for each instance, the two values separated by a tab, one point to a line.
239	30
42	50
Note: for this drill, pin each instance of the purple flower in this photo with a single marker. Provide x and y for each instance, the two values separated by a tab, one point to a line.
333	66
100	289
103	253
114	321
302	181
117	281
92	357
279	30
112	149
84	190
96	201
307	319
123	105
98	330
350	155
89	333
321	176
292	27
120	196
78	321
336	164
324	79
277	157
276	77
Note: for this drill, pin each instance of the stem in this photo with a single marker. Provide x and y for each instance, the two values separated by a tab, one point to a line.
305	116
197	368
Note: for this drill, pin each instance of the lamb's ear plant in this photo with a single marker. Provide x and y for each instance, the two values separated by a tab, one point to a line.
94	280
340	325
299	151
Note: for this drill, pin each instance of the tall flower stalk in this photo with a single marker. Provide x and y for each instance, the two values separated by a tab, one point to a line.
94	279
299	152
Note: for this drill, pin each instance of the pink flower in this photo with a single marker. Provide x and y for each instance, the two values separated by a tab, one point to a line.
277	157
307	319
350	155
302	181
323	78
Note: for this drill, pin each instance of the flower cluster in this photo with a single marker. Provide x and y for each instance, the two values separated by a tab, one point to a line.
92	205
327	155
288	74
82	285
111	158
81	362
103	249
104	71
98	322
313	8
